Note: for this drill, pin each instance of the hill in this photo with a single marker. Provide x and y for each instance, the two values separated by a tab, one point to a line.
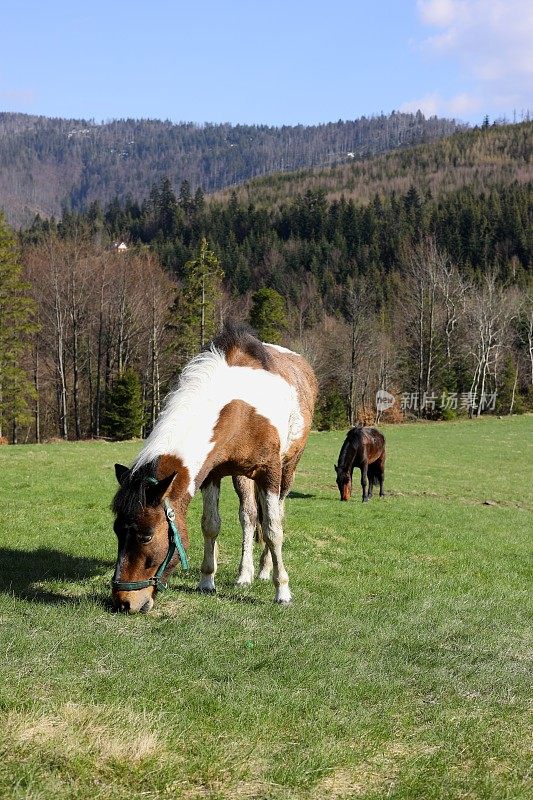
478	158
50	164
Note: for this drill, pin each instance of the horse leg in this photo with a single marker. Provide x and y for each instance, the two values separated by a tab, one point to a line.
210	530
371	469
381	476
364	481
273	534
265	564
287	477
245	489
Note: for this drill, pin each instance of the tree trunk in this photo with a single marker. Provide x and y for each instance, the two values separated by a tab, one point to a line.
37	411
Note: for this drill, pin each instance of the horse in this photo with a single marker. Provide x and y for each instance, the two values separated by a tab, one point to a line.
242	408
363	448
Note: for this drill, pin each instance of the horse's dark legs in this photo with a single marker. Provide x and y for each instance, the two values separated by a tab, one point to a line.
364	481
381	475
210	530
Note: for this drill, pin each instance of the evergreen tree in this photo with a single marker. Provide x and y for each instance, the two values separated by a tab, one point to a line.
124	413
193	315
268	315
16	325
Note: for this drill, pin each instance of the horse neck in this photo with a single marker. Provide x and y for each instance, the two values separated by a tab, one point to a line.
348	455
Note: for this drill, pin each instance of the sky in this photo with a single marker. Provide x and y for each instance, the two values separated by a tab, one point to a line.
274	62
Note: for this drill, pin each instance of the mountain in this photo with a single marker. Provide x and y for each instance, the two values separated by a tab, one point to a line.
47	165
479	158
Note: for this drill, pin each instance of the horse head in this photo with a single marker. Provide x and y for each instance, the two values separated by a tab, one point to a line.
344	482
148	539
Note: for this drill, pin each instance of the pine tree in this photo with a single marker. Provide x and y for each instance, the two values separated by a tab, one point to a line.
268	315
124	413
193	315
17	323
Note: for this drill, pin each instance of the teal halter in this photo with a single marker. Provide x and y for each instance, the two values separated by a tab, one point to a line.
174	543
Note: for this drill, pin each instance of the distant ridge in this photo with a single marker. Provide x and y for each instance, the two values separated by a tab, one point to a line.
48	164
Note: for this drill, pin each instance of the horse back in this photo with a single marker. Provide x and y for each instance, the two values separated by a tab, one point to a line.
368	443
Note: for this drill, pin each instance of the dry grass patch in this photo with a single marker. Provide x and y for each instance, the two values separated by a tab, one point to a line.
376	774
77	729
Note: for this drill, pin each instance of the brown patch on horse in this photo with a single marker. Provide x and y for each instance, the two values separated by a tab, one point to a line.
238	430
167	465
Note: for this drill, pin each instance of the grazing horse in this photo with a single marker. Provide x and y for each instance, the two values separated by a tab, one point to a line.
363	448
242	408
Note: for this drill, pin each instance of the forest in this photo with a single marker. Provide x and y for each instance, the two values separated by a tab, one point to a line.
51	165
408	273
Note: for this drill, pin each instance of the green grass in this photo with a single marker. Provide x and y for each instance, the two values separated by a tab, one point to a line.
400	670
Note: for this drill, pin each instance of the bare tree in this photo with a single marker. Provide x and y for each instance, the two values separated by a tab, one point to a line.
491	308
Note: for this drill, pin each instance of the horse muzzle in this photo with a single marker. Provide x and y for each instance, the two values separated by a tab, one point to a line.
139	602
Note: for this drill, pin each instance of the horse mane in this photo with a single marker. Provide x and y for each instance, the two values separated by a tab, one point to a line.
131	495
235	345
350	446
234	337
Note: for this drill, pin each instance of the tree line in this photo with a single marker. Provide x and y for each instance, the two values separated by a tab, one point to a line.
48	165
427	297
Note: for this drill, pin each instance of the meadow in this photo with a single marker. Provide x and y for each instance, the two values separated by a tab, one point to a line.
401	670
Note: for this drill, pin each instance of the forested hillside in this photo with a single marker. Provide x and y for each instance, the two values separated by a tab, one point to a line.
479	158
50	164
421	288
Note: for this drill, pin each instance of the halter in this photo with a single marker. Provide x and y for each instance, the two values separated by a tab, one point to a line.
174	543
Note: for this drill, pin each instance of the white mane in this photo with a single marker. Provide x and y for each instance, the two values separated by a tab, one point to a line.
207	384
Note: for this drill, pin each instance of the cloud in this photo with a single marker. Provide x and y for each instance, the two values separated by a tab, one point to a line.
433	103
492	43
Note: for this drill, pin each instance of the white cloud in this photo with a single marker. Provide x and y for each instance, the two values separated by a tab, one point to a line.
491	41
433	103
438	12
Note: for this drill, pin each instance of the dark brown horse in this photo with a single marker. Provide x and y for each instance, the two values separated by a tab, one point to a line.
363	448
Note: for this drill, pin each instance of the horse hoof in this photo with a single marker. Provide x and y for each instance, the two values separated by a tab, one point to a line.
283	596
244	581
207	586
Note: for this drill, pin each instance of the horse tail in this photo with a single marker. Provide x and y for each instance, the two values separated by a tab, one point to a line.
374	472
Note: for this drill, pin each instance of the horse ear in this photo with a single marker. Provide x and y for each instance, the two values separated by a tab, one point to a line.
121	472
160	487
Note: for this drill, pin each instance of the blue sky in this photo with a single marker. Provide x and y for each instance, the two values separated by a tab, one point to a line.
276	62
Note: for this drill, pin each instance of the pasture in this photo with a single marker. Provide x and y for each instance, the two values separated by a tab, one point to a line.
401	669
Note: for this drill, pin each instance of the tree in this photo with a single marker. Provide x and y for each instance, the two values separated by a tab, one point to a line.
124	413
268	315
17	323
193	315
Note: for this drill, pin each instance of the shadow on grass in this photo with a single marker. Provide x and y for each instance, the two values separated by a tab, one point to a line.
22	570
225	591
300	495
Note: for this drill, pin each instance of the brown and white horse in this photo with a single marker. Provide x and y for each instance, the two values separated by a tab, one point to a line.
241	408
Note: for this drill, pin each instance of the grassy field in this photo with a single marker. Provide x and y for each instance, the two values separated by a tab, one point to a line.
400	670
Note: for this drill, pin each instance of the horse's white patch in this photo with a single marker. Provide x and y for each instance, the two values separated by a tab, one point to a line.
185	426
280	348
